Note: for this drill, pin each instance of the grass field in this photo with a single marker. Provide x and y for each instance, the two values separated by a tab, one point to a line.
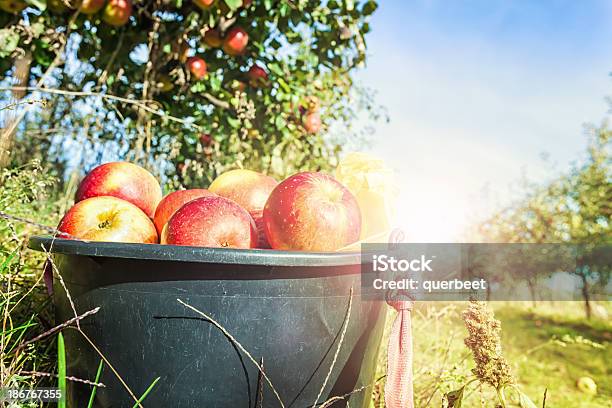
548	346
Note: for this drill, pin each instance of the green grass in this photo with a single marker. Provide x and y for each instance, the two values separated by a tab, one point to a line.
541	362
549	347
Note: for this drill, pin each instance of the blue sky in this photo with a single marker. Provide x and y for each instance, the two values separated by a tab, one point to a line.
476	92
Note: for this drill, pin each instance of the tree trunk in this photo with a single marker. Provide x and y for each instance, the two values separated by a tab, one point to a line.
532	292
11	119
585	296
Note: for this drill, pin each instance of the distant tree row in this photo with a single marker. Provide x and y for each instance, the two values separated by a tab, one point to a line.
575	208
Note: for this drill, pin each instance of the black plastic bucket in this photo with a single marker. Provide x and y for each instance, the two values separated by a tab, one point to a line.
287	308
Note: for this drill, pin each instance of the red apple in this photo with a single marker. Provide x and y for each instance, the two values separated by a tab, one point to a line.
257	76
117	12
247	3
205	139
311	212
12	6
197	67
312	122
172	202
123	180
91	6
108	219
250	190
212	38
211	222
235	41
204	4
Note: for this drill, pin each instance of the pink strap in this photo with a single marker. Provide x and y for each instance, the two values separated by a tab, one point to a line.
398	389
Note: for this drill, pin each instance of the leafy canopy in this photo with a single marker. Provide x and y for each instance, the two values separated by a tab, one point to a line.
188	128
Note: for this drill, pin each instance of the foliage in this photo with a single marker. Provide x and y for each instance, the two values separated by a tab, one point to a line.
178	125
575	208
25	305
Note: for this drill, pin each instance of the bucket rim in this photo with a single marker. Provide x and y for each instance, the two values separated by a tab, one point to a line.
192	254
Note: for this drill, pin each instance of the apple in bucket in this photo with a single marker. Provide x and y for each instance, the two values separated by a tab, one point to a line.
123	180
108	219
250	190
172	202
311	212
211	221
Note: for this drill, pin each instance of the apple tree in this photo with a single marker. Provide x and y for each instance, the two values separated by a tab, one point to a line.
188	88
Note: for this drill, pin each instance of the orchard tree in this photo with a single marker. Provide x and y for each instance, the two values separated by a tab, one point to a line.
188	88
575	208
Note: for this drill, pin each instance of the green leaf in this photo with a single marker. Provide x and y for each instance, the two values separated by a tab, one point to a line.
280	122
61	370
37	29
454	399
284	85
233	4
144	395
9	41
276	69
215	83
233	122
92	396
39	4
41	53
198	87
369	8
167	48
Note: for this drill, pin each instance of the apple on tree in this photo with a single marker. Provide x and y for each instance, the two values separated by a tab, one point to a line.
205	139
108	219
123	180
172	202
91	6
212	38
250	190
204	4
235	42
257	76
311	212
197	67
117	12
211	221
312	122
